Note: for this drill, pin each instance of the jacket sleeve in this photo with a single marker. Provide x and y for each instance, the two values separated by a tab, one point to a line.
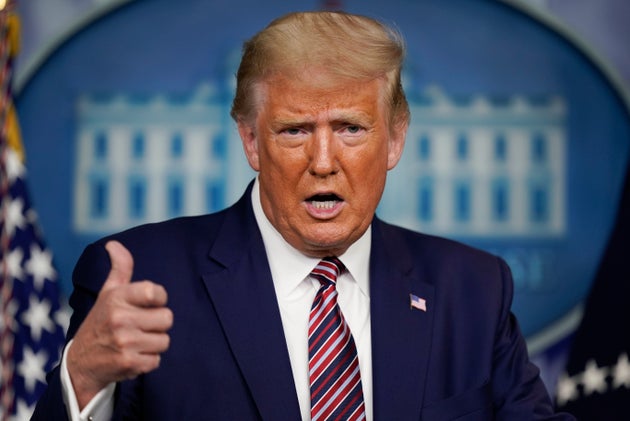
88	277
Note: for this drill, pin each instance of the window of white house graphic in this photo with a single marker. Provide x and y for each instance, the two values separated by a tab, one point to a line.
425	199
539	201
215	195
539	148
177	146
138	146
462	201
175	186
500	148
100	146
424	148
540	180
99	194
137	196
500	199
218	147
461	147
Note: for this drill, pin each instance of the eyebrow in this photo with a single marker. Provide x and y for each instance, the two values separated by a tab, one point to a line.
333	116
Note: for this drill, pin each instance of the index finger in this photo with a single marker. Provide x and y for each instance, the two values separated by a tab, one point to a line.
146	294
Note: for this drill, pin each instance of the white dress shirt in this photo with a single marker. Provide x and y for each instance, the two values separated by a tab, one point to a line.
295	292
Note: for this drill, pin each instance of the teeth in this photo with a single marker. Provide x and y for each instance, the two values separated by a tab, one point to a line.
328	204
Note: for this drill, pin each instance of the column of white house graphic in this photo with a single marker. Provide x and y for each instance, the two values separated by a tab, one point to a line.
481	167
148	159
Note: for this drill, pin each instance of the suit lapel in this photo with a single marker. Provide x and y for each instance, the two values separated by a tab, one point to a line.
242	292
401	335
243	295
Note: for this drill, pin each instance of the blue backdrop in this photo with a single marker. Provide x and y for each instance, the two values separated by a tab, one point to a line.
513	76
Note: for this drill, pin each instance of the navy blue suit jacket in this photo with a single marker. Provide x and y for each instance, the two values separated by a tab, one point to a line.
464	358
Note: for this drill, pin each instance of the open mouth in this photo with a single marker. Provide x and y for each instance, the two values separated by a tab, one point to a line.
324	201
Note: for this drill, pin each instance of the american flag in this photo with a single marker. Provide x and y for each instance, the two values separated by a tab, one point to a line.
417	302
32	318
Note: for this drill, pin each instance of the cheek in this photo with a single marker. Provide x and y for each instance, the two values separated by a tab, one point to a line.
288	164
370	163
371	172
281	173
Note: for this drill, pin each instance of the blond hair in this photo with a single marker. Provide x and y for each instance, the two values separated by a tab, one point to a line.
346	45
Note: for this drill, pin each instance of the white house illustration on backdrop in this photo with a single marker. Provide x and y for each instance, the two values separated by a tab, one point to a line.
476	166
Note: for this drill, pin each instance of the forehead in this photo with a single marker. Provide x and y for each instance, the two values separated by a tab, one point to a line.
314	93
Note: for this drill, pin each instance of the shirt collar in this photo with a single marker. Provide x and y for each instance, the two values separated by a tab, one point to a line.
289	267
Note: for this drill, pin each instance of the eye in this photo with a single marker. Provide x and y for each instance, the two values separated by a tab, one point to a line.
352	129
292	131
292	136
352	133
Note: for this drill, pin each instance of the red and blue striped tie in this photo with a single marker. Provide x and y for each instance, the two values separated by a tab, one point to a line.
336	391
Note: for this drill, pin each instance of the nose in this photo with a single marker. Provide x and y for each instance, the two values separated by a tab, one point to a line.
322	154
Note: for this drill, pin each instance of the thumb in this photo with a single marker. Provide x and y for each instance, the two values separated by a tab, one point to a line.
122	264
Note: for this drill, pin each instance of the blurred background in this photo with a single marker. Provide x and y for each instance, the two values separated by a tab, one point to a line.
519	145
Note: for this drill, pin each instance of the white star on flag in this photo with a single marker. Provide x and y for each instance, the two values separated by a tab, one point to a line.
40	267
13	216
14	167
621	372
566	389
23	411
594	378
37	317
14	264
31	368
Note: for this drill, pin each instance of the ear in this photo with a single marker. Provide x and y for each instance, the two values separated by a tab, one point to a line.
250	143
396	142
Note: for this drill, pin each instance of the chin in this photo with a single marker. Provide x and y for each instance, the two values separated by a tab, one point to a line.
332	244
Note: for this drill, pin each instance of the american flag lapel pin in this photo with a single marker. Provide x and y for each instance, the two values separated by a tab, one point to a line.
417	302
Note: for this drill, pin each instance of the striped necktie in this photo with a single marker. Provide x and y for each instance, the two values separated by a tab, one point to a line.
336	391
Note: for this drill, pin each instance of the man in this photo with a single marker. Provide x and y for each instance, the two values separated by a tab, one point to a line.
226	319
